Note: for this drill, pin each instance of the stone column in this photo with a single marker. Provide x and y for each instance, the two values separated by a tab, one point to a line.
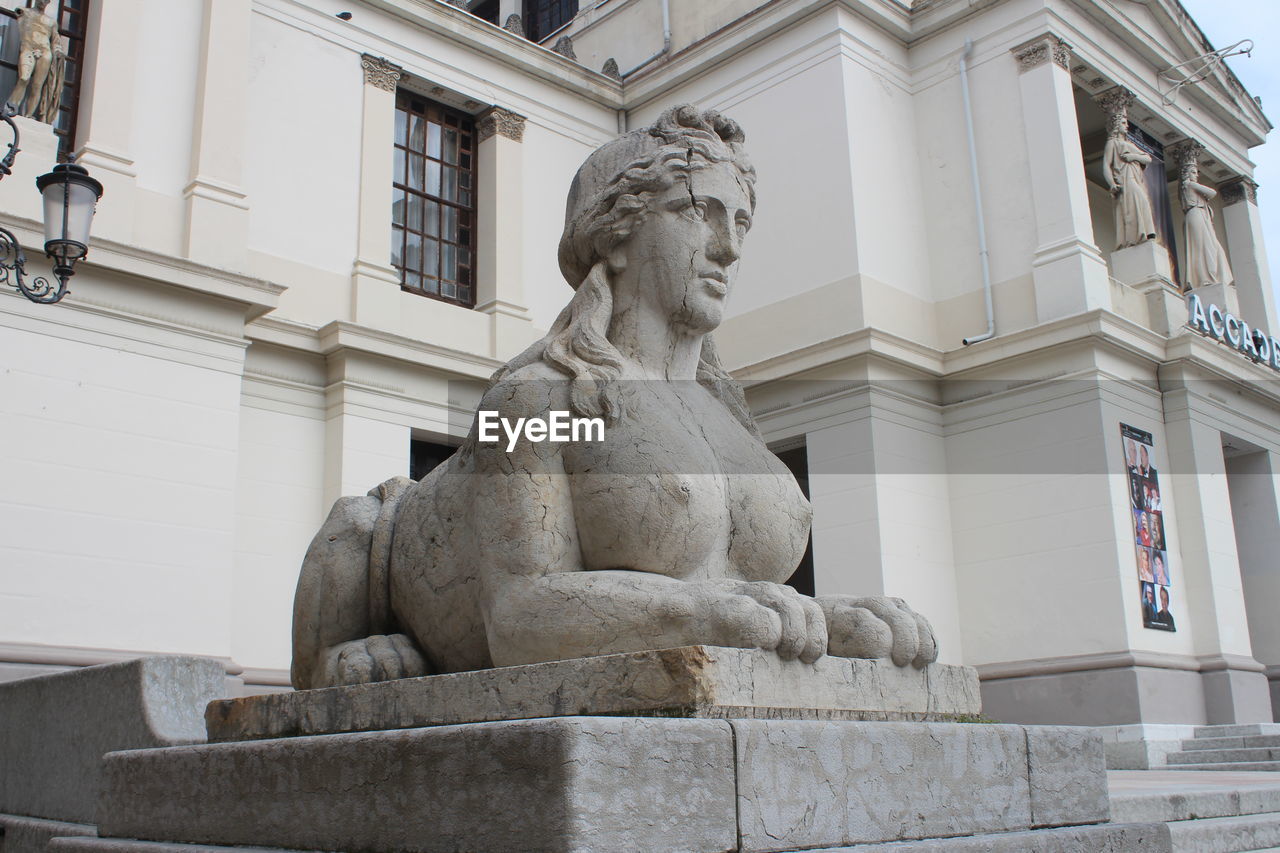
1235	689
500	229
375	283
1255	504
217	227
106	112
1247	252
1070	274
878	484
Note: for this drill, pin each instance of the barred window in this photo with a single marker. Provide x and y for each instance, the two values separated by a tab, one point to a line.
72	16
544	17
433	200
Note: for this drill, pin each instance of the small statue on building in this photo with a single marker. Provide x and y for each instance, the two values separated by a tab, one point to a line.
1206	259
1125	165
41	66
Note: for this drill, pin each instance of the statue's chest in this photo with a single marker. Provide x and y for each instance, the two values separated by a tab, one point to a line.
679	487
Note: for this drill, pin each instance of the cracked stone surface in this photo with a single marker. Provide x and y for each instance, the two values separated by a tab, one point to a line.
570	784
809	784
1068	774
55	728
695	681
679	528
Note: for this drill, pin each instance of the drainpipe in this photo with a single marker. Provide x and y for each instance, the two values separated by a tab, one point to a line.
977	198
666	39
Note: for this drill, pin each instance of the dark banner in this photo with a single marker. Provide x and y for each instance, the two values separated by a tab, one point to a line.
1146	504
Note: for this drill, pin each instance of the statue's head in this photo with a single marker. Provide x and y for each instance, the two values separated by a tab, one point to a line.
41	5
1190	171
657	214
1119	124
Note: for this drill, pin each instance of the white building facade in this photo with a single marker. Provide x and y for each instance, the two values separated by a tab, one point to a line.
288	296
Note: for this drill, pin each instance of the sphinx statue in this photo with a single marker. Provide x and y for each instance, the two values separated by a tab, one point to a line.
677	527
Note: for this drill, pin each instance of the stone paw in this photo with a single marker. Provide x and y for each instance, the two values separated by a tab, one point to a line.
878	627
382	657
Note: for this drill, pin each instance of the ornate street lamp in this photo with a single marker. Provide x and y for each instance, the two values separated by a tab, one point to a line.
70	199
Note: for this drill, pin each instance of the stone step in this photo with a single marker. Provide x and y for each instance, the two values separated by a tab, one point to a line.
1230	765
1242	742
1184	802
1225	834
1238	730
1215	756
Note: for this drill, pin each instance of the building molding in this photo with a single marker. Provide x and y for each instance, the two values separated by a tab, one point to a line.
500	121
1040	50
39	654
380	72
1238	189
1115	660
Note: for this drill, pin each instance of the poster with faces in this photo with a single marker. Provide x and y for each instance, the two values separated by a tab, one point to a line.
1146	509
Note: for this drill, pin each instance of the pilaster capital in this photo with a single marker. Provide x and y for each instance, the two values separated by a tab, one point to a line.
1115	101
1183	153
1238	189
500	121
380	73
1042	49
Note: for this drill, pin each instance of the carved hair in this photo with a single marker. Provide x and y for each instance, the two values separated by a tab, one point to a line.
632	170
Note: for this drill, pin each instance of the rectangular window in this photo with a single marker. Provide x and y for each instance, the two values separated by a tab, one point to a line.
71	15
433	200
544	17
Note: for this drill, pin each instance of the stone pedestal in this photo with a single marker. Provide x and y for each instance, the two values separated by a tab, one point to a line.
1222	295
694	681
619	783
1141	264
693	749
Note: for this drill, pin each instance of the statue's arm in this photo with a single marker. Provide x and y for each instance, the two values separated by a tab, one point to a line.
541	603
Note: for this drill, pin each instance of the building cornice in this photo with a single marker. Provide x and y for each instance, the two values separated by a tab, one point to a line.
458	25
256	295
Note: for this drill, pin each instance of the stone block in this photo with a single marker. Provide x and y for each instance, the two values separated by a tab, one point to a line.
1124	838
694	681
1141	264
1068	772
54	729
19	834
564	784
805	784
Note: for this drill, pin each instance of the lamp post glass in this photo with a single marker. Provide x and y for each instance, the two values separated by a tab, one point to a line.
70	197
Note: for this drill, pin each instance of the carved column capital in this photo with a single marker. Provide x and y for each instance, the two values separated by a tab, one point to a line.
1184	153
1042	49
497	120
1238	189
1115	100
381	73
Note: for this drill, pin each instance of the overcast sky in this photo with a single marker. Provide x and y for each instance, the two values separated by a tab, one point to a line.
1225	22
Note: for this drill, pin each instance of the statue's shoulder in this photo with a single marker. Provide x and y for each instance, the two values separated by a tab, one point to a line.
533	389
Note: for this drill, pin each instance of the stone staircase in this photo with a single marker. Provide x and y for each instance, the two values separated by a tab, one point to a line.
1238	747
1205	812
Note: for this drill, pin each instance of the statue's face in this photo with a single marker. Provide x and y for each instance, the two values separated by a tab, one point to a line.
41	5
683	257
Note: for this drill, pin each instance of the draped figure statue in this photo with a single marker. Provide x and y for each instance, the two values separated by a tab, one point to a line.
41	65
1206	259
1124	165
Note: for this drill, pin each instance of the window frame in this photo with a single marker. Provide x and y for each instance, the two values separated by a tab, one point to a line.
405	192
543	17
